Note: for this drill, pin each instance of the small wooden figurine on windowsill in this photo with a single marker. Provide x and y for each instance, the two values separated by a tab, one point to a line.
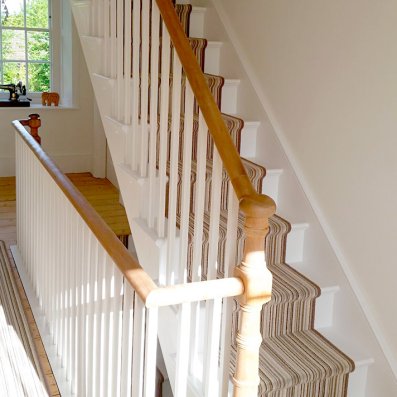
49	98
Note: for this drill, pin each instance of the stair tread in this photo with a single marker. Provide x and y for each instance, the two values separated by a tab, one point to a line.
300	357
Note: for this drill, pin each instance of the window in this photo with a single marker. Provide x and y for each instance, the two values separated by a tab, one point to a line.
25	44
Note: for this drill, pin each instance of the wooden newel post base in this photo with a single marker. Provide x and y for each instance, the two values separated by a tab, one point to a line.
258	283
34	123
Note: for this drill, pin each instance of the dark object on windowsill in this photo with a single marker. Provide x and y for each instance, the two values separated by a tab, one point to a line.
16	90
20	103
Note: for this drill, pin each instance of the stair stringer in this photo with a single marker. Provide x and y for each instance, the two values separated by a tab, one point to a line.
350	326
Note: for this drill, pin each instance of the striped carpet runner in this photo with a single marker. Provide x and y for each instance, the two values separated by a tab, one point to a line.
295	360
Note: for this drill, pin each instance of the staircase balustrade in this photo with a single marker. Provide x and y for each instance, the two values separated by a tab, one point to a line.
179	141
179	146
100	307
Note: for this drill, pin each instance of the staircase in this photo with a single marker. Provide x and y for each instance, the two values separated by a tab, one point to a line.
295	359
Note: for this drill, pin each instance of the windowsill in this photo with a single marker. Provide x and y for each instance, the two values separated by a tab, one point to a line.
60	107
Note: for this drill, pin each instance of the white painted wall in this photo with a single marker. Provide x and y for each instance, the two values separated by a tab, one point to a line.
327	72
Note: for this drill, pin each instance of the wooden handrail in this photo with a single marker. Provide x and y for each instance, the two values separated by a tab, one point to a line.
252	203
131	269
141	282
195	292
257	209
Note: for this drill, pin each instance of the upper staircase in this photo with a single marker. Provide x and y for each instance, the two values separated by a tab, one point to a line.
295	359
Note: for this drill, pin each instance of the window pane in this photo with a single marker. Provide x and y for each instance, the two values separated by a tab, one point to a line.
12	13
13	44
39	77
38	46
14	72
37	14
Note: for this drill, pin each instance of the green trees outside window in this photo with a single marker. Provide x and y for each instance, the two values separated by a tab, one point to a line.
25	44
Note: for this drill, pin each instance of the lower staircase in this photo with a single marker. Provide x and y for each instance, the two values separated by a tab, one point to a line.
295	359
104	198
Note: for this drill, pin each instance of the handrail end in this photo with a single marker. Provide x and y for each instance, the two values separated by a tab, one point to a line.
257	205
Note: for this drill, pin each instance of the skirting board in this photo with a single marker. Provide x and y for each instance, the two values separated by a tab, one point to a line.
59	372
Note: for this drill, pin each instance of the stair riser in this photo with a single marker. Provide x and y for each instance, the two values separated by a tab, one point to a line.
325	308
229	96
248	139
212	58
295	243
358	381
197	20
271	183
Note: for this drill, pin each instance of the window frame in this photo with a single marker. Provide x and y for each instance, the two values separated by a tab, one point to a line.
54	49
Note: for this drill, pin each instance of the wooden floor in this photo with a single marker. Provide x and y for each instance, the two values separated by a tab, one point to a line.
102	195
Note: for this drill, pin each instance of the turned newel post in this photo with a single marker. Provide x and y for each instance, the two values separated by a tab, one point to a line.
258	283
34	123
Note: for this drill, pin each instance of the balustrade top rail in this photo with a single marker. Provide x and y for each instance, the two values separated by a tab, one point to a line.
141	282
251	203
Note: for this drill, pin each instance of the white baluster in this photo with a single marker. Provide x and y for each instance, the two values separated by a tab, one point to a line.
117	332
105	351
128	324
113	39
164	103
211	349
198	232
106	38
83	300
138	348
150	352
174	162
186	182
91	276
144	88
216	188
99	18
154	102
69	280
93	21
127	65
119	60
182	353
199	198
98	321
229	264
136	27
